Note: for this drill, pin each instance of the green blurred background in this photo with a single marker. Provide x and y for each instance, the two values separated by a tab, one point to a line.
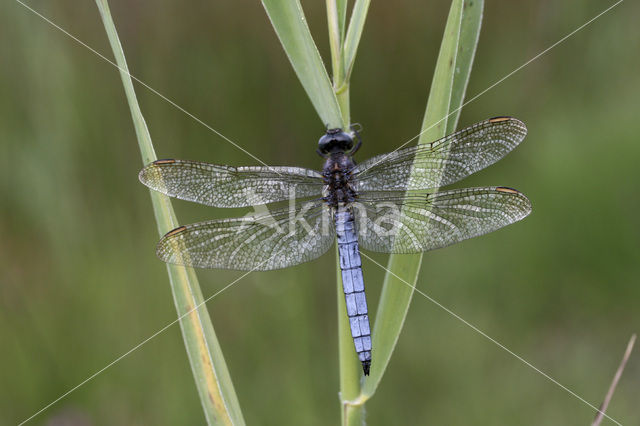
80	284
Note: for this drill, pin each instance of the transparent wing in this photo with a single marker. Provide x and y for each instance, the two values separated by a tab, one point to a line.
225	186
392	223
444	161
260	242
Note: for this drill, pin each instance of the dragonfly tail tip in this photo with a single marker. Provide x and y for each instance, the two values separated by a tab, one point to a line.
366	365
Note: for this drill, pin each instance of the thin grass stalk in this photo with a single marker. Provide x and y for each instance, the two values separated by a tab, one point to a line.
289	24
349	368
217	395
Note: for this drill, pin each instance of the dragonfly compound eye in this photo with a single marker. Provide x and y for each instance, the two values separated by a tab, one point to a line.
335	140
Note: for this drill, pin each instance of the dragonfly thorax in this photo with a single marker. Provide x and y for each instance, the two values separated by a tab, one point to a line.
338	179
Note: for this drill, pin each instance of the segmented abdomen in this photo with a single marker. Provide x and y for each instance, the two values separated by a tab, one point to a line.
353	285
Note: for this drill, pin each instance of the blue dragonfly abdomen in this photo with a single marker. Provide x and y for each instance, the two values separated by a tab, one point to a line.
353	285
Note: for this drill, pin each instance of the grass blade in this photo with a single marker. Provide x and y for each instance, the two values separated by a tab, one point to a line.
291	27
341	6
354	33
350	368
213	381
434	123
448	76
469	34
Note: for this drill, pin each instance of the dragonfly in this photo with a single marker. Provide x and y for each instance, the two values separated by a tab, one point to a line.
390	203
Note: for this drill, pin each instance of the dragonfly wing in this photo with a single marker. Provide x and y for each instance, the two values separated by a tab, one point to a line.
444	161
261	242
225	186
395	223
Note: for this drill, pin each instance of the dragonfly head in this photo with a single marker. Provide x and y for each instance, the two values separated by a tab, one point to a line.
334	141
